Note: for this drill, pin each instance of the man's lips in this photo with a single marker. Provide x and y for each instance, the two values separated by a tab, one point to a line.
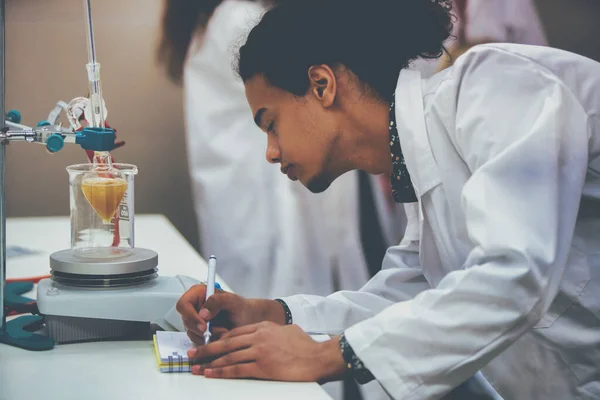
289	170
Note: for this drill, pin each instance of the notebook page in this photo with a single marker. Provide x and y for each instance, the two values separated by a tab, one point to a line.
173	344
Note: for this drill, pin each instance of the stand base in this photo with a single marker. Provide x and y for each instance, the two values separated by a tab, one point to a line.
18	334
15	302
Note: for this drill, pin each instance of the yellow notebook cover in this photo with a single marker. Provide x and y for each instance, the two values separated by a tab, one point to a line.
170	363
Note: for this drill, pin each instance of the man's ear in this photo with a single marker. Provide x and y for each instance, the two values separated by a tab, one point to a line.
323	84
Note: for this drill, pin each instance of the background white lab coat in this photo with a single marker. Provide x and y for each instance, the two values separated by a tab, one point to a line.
499	266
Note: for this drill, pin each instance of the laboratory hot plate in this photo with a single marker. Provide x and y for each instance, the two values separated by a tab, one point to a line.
109	299
139	266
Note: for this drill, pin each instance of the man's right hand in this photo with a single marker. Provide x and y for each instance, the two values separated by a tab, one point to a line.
225	311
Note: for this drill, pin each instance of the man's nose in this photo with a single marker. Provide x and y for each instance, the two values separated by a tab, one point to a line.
273	153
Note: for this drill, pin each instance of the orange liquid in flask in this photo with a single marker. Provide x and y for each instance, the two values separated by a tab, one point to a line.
104	195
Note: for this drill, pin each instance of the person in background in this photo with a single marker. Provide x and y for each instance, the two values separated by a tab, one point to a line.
272	236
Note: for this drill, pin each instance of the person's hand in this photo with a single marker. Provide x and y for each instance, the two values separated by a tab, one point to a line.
225	311
269	351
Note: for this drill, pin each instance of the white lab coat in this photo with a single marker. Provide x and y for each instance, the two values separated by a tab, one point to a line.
499	267
510	21
272	237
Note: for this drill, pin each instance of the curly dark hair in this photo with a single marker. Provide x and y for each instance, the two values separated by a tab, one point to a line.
374	39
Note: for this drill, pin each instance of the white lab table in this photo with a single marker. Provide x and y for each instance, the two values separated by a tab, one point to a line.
115	370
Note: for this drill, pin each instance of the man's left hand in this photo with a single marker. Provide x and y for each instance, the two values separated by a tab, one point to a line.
269	351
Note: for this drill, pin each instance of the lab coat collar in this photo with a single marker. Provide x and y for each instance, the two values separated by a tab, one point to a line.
412	131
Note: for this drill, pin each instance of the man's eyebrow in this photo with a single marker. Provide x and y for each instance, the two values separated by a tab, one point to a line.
258	117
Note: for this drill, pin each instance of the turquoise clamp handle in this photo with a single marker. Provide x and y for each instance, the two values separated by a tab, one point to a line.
14	116
96	139
55	143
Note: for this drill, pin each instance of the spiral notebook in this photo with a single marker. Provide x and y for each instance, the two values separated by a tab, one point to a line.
171	350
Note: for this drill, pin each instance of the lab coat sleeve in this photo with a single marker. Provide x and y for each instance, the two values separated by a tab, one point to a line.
400	279
524	137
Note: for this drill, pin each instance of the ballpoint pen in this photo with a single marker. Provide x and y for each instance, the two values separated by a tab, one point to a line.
210	290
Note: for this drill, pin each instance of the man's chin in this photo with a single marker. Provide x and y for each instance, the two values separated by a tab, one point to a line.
318	184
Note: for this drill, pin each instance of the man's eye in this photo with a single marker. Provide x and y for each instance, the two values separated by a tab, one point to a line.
271	126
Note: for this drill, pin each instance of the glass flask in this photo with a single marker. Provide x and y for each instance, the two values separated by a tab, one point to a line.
102	210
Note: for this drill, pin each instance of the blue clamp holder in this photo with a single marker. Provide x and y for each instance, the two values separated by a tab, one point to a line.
96	139
14	116
55	143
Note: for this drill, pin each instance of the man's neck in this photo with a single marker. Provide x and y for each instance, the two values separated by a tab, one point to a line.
368	140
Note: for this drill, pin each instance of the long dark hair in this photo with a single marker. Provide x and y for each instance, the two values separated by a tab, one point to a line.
181	20
374	39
